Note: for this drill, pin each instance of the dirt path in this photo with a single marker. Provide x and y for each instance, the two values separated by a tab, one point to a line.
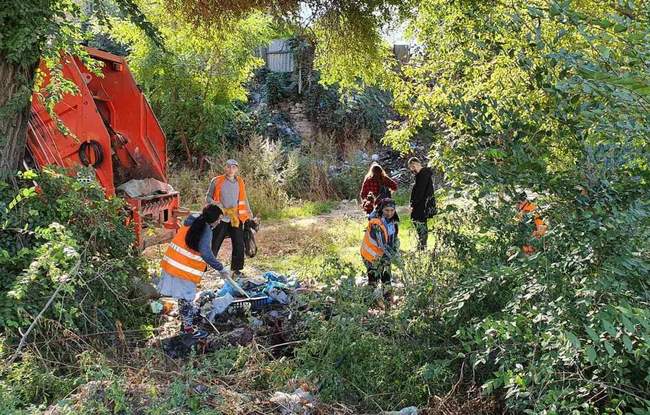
290	235
287	236
279	238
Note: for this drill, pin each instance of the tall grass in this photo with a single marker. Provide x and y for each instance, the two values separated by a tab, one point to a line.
280	183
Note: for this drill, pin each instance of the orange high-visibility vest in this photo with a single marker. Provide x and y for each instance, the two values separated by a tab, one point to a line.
370	250
242	207
540	226
181	261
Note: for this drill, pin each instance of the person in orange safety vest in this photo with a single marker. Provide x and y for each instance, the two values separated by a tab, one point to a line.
228	191
186	259
380	246
526	207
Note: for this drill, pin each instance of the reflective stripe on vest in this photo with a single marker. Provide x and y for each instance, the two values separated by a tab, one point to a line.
370	250
182	262
242	207
540	226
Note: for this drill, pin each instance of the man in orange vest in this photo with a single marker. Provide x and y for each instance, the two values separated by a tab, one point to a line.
228	191
380	246
524	208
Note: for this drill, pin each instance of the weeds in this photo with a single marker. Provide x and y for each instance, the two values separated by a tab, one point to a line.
281	183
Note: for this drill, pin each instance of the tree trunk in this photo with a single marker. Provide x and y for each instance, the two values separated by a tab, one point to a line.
17	82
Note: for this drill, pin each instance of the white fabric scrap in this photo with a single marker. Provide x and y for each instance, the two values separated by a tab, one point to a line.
300	402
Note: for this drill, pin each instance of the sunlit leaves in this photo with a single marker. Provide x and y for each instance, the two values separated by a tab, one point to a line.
194	85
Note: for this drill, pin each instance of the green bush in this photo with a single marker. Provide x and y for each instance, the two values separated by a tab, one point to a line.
347	114
369	358
565	329
197	85
568	327
65	234
277	86
348	181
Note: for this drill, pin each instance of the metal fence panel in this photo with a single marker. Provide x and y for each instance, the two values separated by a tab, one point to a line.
279	57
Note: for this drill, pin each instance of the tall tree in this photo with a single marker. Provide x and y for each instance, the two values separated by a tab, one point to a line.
29	31
348	34
195	87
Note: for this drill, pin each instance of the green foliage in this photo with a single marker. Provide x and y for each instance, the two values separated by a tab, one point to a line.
67	234
348	35
371	358
31	381
545	96
195	84
565	328
278	87
306	209
346	116
267	169
348	181
27	26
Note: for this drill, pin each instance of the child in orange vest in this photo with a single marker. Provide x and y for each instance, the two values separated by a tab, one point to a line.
380	245
185	261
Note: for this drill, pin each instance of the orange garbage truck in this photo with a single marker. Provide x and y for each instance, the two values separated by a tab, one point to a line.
112	129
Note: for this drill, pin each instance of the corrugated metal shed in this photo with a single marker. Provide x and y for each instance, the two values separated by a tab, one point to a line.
402	53
279	56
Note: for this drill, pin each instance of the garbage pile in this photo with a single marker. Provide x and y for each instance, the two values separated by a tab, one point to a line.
267	289
225	317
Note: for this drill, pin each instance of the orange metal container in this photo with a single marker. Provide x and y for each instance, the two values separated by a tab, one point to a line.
113	129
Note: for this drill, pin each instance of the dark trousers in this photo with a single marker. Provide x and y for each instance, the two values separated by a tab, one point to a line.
380	270
422	233
237	240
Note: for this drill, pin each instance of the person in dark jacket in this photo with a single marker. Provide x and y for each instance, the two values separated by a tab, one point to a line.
421	194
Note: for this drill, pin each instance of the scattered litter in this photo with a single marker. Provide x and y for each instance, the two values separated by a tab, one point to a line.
181	345
268	288
226	308
156	307
278	295
411	410
256	323
300	402
240	336
219	305
274	314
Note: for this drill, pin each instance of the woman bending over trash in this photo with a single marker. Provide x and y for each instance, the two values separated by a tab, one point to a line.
380	246
185	261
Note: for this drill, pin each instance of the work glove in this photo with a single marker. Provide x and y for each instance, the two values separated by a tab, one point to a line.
390	252
232	213
225	273
397	259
